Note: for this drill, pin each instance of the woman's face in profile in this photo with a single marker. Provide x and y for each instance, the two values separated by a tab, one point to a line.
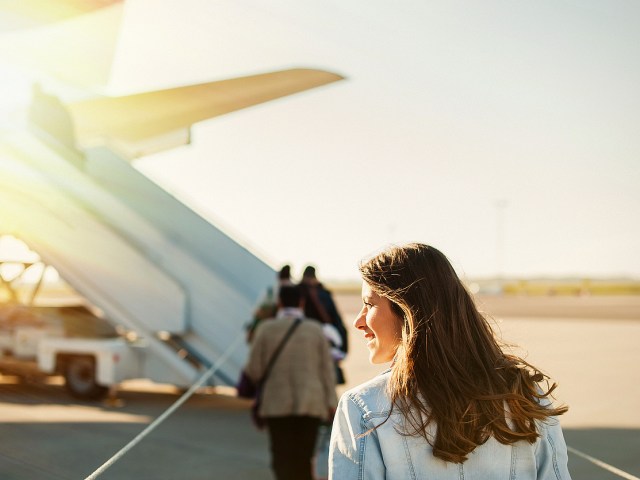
382	328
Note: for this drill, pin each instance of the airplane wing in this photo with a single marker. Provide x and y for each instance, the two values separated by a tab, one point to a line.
76	43
149	122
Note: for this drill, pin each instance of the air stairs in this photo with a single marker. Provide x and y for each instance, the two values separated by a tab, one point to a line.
139	254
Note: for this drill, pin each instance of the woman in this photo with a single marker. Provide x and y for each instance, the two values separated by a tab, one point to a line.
453	405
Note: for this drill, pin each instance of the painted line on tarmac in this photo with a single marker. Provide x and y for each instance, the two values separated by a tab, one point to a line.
178	403
601	464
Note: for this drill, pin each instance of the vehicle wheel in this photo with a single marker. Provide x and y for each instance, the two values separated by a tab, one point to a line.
80	378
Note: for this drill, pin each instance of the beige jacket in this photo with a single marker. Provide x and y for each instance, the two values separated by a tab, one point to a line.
302	381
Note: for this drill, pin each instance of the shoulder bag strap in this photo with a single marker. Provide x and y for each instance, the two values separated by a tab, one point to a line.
277	351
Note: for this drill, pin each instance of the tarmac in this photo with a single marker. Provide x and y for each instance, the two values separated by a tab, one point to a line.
588	344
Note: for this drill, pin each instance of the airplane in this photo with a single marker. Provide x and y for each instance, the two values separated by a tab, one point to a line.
142	258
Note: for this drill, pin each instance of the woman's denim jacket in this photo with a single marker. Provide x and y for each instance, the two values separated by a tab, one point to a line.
385	454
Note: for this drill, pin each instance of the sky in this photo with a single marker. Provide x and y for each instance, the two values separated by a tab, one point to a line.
506	134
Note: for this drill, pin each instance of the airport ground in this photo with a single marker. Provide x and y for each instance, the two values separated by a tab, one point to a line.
588	344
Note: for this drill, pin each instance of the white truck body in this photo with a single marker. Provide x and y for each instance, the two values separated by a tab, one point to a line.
115	360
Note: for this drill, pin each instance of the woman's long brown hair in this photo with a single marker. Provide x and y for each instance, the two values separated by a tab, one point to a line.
450	372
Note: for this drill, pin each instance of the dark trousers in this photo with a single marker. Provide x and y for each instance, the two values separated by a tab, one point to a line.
292	440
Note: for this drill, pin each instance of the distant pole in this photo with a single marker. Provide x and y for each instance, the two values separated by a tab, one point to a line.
500	205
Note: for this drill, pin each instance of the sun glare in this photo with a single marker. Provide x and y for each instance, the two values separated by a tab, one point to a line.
67	44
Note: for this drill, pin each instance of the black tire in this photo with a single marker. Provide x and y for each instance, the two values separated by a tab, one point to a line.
80	378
